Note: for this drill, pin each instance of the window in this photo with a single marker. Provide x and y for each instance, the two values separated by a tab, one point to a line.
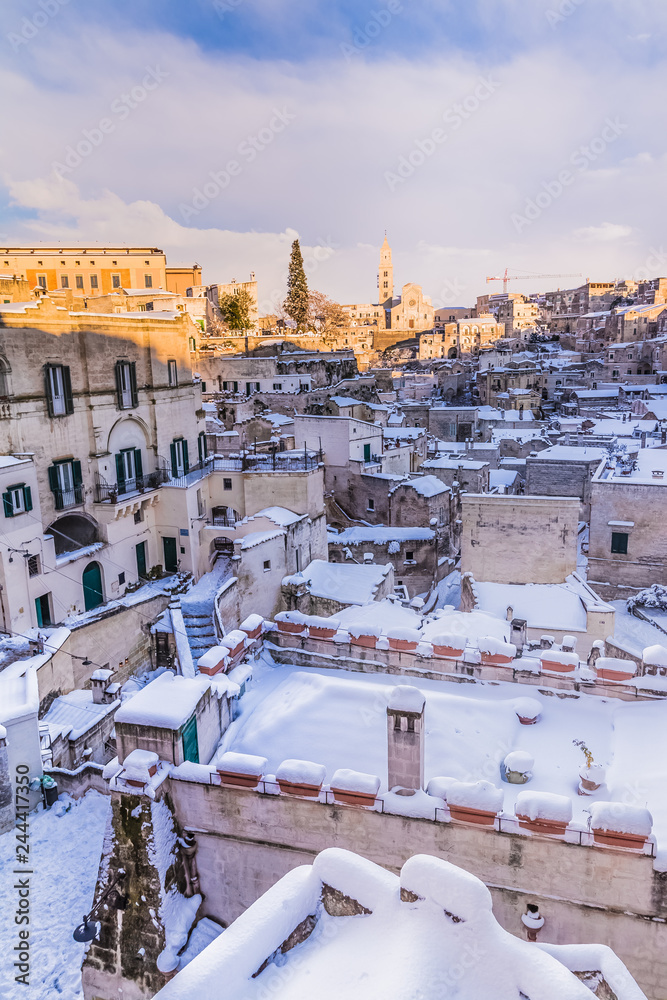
64	281
371	504
115	280
126	385
267	565
179	458
65	483
148	281
93	281
226	484
41	281
410	556
34	568
17	500
121	578
278	386
129	470
619	543
138	516
59	399
78	280
172	373
411	725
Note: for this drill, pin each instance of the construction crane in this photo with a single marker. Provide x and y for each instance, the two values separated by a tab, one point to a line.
506	277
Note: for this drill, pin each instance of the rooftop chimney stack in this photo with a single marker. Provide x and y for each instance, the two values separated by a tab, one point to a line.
405	738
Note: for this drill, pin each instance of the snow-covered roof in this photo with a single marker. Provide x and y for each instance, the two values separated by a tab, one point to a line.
167	702
542	605
19	695
348	583
502	477
454	463
259	537
426	486
75	713
397	949
279	515
570	453
379	535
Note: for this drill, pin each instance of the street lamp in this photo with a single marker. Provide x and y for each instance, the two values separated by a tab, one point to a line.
90	928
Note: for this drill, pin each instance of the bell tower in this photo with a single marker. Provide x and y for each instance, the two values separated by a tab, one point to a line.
385	276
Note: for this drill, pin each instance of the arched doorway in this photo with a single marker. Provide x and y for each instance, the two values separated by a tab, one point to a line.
92	586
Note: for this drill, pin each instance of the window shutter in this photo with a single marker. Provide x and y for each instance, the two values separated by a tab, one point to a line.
54	484
67	390
133	383
186	463
199	449
174	466
48	392
119	385
76	472
138	468
120	473
204	446
9	506
27	498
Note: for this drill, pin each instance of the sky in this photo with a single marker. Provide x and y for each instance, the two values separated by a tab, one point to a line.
480	134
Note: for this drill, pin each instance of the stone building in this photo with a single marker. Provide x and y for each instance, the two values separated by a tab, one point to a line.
416	553
91	271
628	541
464	337
563	471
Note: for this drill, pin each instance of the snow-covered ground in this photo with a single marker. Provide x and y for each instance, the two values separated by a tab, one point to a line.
338	718
65	855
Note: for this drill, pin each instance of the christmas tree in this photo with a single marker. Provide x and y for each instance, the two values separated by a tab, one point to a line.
296	303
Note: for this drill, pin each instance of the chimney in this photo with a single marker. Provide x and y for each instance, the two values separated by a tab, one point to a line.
510	613
99	682
405	739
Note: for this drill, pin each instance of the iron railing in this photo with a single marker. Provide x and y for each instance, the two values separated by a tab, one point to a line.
68	498
112	492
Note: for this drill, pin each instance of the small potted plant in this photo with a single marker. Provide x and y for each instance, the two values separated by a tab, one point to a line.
293	622
355	788
301	777
517	767
591	775
244	770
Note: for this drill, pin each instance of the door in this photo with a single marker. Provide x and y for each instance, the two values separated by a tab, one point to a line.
43	610
140	549
367	453
92	586
170	557
190	743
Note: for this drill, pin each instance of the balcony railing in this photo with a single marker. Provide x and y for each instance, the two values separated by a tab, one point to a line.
279	461
68	498
112	492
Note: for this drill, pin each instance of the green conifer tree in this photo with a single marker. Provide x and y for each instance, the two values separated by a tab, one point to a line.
296	303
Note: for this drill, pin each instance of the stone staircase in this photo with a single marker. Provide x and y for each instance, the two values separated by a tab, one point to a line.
200	632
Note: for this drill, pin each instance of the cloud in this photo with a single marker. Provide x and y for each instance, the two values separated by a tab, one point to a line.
606	233
151	176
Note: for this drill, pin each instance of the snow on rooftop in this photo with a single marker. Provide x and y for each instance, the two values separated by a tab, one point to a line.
167	702
75	713
279	515
543	605
258	537
379	535
426	486
571	453
394	951
348	583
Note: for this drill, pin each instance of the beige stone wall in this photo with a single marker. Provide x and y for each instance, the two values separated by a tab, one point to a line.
586	894
511	539
646	559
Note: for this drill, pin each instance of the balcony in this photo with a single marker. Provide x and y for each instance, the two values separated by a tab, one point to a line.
280	461
63	499
111	493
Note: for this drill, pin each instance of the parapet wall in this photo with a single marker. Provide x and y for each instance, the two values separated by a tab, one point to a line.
247	840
